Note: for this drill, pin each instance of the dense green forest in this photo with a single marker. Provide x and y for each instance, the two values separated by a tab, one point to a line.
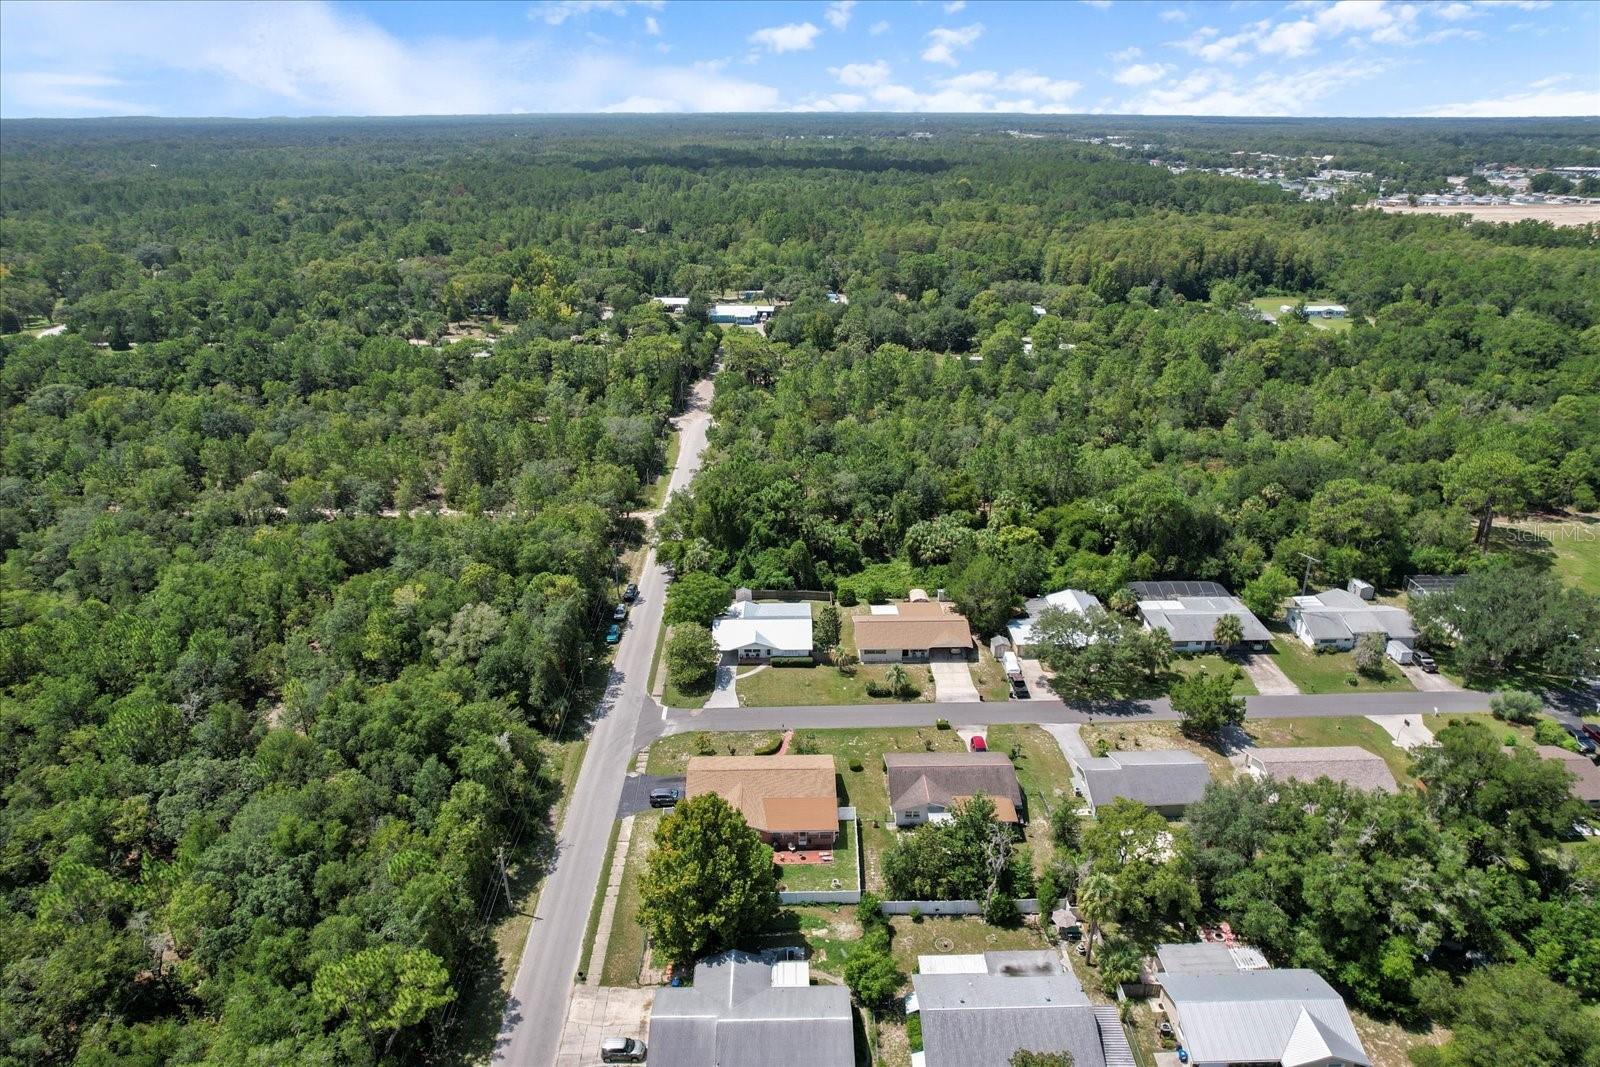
294	598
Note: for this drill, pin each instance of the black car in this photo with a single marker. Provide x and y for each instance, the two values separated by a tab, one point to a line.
1425	661
631	593
1585	744
665	797
1019	690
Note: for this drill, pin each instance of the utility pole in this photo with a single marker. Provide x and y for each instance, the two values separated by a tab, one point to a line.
1305	579
505	882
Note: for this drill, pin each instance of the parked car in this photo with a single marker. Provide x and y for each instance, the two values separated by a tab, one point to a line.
1593	731
1019	690
619	612
665	797
1584	742
621	1050
979	744
614	634
630	593
1425	661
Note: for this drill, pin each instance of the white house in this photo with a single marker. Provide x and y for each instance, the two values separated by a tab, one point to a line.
672	303
1287	1017
742	314
1338	618
1073	600
758	632
1189	611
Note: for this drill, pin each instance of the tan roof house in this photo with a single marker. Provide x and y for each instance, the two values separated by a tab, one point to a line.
1587	787
926	786
912	632
790	800
1350	764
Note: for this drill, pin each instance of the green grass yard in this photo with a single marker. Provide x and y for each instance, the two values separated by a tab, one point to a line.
1332	672
1269	305
809	877
1212	663
1571	545
625	950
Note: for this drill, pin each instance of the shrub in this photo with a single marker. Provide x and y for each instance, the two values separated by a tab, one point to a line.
855	765
916	914
941	724
792	661
847	597
879	689
869	911
914	1032
1514	705
770	748
1549	732
1001	910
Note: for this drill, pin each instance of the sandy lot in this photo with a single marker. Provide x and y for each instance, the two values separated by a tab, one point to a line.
1555	214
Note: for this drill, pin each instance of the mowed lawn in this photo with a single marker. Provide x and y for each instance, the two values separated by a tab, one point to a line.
1333	672
625	950
810	877
1213	664
788	687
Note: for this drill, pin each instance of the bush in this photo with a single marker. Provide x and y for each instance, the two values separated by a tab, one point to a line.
791	661
1369	654
770	748
941	724
1514	705
1001	910
879	689
869	911
1549	732
914	1032
855	765
847	597
916	914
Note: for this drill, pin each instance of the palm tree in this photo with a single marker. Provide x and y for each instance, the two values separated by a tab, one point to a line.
1228	631
1095	901
898	679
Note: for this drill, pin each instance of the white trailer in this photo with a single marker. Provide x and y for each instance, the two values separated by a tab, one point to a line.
1400	652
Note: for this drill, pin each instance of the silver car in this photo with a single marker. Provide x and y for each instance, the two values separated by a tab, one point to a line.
621	1050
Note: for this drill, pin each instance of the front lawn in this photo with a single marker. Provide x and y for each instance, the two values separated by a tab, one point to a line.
1571	545
1214	664
1333	672
1334	730
625	950
1155	736
788	687
990	677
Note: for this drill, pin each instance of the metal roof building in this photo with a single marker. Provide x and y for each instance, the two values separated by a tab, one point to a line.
1421	585
761	631
1335	618
1288	1017
741	1011
1188	612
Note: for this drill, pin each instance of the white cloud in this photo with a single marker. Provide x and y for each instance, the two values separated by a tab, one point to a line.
651	26
1535	102
555	12
311	58
1220	92
945	40
1206	44
878	28
954	6
1127	55
1141	73
1452	32
1289	38
838	13
1101	4
793	37
1172	14
1454	12
862	75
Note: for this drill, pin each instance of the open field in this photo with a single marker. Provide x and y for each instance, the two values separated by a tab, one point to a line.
1572	545
1554	214
1332	672
1269	305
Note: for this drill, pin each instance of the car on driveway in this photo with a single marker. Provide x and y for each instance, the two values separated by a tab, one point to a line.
622	1050
1019	689
614	634
1584	742
665	797
1425	661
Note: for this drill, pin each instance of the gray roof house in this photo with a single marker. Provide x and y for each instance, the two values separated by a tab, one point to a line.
1287	1017
1350	764
1168	780
1073	600
1188	612
742	1011
925	786
1336	618
977	1011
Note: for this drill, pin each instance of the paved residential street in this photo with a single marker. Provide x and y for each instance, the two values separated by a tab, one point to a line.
537	1006
1051	711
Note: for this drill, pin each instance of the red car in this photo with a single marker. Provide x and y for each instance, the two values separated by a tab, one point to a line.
1593	731
979	744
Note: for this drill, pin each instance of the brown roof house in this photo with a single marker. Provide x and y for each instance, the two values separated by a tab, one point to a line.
790	800
925	786
1587	787
1349	764
912	632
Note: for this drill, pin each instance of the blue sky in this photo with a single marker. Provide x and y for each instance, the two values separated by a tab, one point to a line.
321	57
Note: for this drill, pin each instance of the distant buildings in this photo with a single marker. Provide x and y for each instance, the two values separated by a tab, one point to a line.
1188	612
1168	780
1317	311
741	314
742	1010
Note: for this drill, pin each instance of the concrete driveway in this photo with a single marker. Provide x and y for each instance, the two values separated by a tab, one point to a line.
1037	680
1267	676
725	694
636	791
598	1012
1406	731
952	682
1428	683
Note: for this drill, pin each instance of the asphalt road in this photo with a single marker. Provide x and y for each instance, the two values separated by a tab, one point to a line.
1040	711
536	1009
636	791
